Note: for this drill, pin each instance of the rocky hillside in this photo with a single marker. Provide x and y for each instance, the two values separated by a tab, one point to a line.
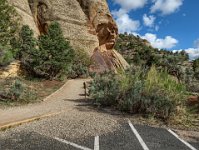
139	52
87	24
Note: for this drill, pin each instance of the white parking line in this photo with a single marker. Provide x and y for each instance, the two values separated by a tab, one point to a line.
186	143
144	146
96	144
72	144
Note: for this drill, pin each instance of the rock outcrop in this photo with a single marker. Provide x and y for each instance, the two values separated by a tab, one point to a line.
87	24
23	9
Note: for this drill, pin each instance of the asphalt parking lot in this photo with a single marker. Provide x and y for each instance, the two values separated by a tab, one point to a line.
127	137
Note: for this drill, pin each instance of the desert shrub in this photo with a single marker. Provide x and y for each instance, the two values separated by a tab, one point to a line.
137	91
193	87
188	76
167	93
131	87
15	90
6	55
80	64
104	89
130	100
196	68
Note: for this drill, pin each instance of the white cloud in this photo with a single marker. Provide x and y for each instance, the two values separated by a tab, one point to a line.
124	21
131	4
119	13
193	53
166	43
127	24
166	6
148	20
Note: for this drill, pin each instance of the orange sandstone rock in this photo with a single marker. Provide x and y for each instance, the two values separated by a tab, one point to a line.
87	24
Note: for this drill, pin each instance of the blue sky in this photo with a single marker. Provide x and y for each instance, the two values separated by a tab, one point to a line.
167	24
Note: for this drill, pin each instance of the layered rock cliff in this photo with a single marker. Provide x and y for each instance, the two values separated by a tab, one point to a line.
87	24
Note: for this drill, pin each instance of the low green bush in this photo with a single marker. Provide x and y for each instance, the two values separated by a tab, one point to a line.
196	68
104	89
137	91
193	87
15	90
6	55
165	91
80	65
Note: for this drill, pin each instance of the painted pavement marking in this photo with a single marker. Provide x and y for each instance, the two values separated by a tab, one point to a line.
72	144
144	146
186	143
96	144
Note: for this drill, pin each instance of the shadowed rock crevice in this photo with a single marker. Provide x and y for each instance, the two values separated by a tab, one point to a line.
38	9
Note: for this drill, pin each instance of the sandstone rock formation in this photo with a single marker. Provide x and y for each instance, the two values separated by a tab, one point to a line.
87	24
23	9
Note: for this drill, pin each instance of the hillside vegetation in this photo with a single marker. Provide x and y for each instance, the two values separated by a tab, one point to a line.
46	58
8	30
138	52
158	83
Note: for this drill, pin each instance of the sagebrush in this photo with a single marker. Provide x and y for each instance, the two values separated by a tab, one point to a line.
140	91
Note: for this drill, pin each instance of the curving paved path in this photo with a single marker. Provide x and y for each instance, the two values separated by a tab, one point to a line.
52	105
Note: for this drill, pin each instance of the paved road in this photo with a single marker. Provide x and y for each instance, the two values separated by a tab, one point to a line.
80	126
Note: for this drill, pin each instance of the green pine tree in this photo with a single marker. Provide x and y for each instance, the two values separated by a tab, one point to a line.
28	49
56	53
8	29
48	57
